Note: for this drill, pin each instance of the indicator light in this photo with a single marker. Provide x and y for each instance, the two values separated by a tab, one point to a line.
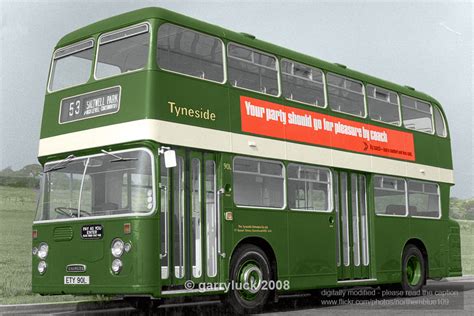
127	228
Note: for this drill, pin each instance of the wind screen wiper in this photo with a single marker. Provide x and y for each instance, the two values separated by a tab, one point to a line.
117	157
60	165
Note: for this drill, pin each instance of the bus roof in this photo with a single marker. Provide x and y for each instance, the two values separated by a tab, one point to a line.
136	16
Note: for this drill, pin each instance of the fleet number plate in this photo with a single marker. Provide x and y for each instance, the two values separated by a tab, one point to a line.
76	279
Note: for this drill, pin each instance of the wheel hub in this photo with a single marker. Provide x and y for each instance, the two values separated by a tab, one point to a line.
250	277
413	271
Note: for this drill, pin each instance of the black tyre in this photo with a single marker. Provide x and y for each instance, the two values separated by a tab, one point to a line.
413	271
249	271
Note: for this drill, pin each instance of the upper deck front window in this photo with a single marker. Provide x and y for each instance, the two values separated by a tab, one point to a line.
118	183
123	51
71	65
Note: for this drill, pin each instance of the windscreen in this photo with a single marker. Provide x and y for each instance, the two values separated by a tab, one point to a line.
71	65
110	184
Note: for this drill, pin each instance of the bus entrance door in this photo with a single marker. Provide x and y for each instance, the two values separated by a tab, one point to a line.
188	222
352	228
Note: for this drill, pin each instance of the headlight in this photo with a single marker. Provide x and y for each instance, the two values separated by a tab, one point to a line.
117	248
42	267
43	250
116	266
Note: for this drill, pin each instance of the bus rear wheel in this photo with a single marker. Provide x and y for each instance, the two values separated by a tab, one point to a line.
413	271
250	274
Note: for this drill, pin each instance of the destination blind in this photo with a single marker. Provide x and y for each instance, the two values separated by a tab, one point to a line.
92	104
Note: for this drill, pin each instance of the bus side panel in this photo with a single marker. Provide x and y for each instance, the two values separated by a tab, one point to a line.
312	249
193	102
433	233
390	236
454	250
269	225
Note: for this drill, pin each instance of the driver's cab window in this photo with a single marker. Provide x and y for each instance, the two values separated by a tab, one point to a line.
137	191
101	185
121	187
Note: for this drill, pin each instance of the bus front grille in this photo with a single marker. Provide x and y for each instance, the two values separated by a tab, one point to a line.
62	233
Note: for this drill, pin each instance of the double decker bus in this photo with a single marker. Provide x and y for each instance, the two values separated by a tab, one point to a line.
181	158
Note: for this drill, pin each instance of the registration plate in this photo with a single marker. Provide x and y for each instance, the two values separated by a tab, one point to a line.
84	279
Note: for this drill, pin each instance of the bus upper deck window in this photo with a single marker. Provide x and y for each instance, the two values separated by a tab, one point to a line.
252	70
302	83
440	126
417	115
383	105
71	65
190	53
346	95
123	51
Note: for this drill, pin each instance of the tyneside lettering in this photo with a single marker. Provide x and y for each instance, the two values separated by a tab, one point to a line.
285	122
200	113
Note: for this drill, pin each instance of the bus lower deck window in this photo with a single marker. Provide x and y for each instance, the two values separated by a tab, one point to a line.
390	196
309	188
258	183
423	199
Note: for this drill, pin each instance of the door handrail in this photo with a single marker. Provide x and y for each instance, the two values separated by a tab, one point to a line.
165	189
218	217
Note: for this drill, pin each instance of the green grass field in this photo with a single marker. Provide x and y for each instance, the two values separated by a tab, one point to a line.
467	246
17	208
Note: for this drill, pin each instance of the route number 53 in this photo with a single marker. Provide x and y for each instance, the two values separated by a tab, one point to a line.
74	108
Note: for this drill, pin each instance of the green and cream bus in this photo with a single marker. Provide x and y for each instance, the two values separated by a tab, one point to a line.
181	158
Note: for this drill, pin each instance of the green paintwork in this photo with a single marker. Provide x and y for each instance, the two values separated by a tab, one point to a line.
141	99
413	270
303	243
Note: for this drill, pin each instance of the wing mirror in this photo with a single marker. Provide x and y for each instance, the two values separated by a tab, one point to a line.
169	156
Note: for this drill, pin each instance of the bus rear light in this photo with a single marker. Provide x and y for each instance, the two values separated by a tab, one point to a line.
34	234
127	228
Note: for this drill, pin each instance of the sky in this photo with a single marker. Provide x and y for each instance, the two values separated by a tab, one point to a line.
423	44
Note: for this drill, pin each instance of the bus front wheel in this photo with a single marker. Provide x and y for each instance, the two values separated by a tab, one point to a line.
413	270
250	274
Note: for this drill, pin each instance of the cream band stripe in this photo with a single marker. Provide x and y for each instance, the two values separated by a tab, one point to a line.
216	140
